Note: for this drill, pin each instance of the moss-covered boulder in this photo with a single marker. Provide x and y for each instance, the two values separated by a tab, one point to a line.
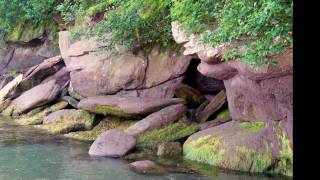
249	147
169	133
34	118
104	125
64	121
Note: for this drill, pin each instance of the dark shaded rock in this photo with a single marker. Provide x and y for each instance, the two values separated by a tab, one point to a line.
147	167
212	107
74	103
112	143
61	77
8	88
158	119
169	149
36	74
35	97
125	106
4	80
213	123
189	94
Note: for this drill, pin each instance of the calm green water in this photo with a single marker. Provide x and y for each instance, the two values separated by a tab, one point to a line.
26	153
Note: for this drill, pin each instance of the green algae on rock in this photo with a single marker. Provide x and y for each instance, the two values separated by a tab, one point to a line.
169	133
64	121
37	118
252	126
104	125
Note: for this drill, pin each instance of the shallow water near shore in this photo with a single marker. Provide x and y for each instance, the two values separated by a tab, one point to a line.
27	153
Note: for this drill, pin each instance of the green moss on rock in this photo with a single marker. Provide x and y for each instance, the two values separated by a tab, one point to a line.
223	114
104	125
205	149
37	118
24	33
168	133
252	161
252	126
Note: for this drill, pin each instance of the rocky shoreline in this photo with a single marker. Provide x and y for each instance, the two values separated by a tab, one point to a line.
229	115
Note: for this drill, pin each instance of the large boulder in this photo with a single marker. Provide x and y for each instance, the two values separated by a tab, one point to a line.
125	73
248	146
125	106
158	119
112	143
35	97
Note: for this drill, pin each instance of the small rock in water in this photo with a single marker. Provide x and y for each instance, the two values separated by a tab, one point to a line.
112	143
147	167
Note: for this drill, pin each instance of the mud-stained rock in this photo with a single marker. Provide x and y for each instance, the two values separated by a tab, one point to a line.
158	119
112	143
249	146
169	149
147	167
35	97
126	106
37	117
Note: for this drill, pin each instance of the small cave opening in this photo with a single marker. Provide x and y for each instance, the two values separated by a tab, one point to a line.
207	86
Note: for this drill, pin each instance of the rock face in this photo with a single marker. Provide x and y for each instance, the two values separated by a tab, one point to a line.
26	47
35	97
158	119
125	106
147	167
169	149
112	143
105	73
254	94
248	146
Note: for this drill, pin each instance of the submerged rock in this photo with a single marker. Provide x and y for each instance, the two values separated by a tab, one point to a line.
112	143
35	97
169	149
147	167
158	119
125	106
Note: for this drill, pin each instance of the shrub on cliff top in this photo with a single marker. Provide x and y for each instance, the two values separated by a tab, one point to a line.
13	12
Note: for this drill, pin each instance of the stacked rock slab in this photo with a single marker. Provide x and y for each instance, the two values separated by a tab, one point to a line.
254	95
139	75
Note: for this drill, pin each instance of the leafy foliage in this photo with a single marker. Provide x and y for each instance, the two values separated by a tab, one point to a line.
13	12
